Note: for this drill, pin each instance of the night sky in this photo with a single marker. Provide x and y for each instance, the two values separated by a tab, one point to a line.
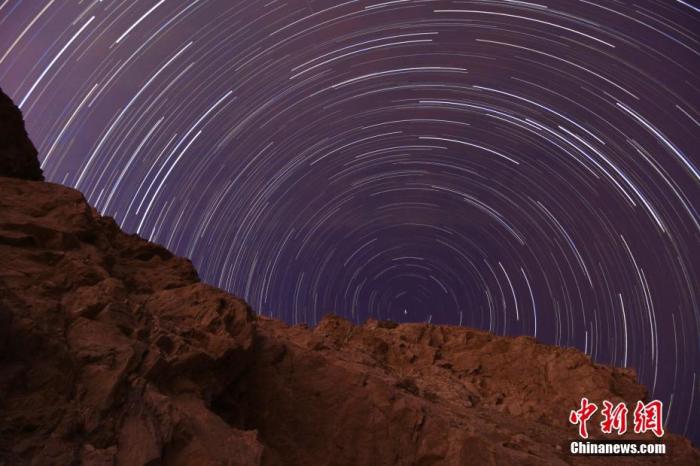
524	168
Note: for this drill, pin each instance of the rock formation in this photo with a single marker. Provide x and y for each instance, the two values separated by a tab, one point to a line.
18	157
112	352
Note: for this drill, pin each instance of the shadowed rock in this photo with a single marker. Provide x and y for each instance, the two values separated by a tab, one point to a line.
18	157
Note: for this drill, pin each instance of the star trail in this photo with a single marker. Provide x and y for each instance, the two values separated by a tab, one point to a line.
520	167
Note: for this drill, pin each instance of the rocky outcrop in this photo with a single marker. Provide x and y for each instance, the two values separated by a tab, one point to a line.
18	157
113	353
111	349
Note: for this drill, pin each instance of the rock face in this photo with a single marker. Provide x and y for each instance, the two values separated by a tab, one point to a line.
18	157
113	353
111	350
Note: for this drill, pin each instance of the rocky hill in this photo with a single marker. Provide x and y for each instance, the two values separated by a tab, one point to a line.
112	352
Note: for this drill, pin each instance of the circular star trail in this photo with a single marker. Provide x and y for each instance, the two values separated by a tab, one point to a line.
521	167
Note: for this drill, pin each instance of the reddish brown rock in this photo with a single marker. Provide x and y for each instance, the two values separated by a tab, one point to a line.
410	394
111	348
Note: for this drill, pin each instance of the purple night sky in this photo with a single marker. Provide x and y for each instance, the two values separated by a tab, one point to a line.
521	167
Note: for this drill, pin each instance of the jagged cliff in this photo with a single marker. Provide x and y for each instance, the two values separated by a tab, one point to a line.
113	352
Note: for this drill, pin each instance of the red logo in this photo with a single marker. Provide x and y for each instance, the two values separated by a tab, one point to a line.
582	416
615	418
647	417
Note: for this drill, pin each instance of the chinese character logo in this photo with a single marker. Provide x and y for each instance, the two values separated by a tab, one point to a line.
647	417
615	418
582	416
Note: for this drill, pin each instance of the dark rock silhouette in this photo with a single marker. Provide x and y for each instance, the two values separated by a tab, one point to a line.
18	157
113	353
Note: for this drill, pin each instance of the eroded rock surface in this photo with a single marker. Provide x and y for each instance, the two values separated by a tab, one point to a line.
111	348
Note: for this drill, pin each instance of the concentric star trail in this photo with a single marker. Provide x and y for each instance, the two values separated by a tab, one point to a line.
521	167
